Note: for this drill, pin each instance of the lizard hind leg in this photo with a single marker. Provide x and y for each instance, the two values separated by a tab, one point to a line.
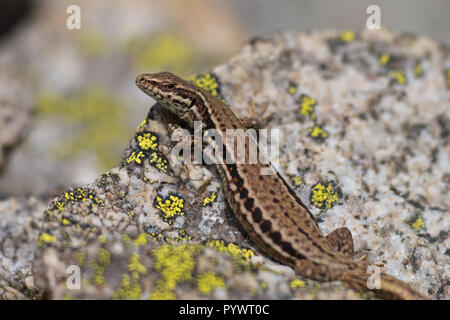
341	239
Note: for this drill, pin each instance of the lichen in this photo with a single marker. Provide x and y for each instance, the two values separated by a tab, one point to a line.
398	76
297	283
418	224
164	51
170	206
325	195
347	36
241	256
317	132
208	281
175	264
307	106
99	116
207	201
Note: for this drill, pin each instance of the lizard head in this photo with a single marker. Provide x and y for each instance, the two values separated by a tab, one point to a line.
173	93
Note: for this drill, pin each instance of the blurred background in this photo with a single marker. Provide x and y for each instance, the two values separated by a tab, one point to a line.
68	103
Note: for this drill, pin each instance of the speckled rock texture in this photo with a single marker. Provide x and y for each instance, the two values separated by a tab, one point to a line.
364	140
20	222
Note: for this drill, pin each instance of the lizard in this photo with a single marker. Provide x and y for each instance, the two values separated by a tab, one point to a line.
265	205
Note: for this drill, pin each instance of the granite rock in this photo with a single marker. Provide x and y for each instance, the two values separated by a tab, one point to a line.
363	124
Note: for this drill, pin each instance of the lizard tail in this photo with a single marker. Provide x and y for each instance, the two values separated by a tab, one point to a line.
385	287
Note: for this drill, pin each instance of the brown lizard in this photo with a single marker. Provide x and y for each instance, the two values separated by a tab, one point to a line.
267	207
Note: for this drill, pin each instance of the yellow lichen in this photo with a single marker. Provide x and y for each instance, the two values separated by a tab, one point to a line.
297	181
144	122
418	70
418	224
206	81
307	106
129	286
158	161
171	206
324	196
98	116
165	51
398	76
210	199
292	89
147	141
102	239
297	283
347	36
208	281
175	265
384	59
135	157
240	255
46	238
141	240
317	132
79	257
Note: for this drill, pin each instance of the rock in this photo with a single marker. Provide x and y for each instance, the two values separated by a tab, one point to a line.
363	132
364	140
20	221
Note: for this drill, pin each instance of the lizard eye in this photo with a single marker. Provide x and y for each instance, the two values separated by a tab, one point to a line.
170	86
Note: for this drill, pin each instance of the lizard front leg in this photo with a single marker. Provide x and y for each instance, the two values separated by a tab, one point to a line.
341	239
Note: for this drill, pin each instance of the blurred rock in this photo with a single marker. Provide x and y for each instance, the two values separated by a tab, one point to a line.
82	81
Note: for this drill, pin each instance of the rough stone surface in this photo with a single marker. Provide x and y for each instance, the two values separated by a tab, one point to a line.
20	221
364	139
